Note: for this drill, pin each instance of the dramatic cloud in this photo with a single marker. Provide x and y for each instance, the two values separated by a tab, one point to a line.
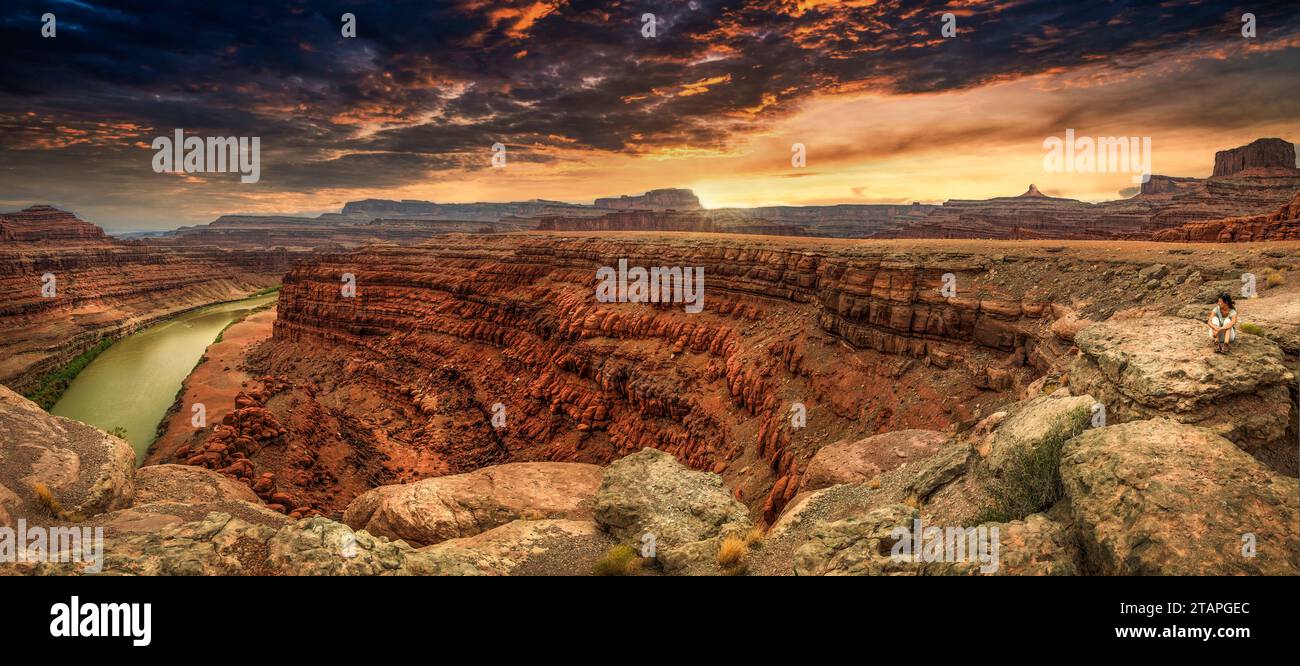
411	106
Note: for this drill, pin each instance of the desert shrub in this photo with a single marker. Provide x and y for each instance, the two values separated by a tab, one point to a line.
1032	480
618	561
1252	329
731	555
1273	277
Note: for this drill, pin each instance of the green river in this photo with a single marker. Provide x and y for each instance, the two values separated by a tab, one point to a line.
133	383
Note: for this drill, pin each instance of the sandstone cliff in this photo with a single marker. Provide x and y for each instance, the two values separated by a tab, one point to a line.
401	382
666	199
1281	224
1258	154
102	287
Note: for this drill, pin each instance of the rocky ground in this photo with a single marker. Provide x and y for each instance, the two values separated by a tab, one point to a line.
1067	395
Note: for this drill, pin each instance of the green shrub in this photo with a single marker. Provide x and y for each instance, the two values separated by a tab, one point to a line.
1252	329
1032	481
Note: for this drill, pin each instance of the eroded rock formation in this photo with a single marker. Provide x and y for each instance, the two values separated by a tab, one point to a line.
665	199
1279	225
1258	154
67	286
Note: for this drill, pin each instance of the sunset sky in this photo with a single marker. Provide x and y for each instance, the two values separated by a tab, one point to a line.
890	110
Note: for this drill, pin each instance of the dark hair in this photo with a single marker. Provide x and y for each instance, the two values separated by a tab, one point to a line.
1226	298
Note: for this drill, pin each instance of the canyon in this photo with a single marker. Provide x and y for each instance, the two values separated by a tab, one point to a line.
102	287
362	439
399	383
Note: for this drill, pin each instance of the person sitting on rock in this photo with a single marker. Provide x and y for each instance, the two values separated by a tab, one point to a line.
1223	323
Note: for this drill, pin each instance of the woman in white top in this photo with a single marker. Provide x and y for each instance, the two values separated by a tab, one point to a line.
1223	323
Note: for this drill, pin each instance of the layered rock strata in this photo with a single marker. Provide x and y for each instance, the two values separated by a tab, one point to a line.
482	351
67	286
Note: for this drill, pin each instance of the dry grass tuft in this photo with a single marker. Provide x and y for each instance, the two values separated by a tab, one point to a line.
732	553
52	504
618	561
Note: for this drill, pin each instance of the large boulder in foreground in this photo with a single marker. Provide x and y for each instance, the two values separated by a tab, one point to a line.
1166	367
686	513
222	545
85	469
863	459
1160	497
882	542
530	548
461	505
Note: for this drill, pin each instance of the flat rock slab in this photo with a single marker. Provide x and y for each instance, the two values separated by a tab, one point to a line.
461	505
1166	367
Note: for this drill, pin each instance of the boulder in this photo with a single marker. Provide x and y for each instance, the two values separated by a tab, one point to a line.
1166	367
184	483
222	545
1030	425
882	543
86	470
460	505
858	461
1160	497
140	518
530	548
649	496
857	546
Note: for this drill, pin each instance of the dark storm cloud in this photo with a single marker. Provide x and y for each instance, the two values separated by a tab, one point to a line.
431	85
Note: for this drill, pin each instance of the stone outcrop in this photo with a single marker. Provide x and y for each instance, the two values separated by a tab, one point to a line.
868	546
186	484
650	499
1157	497
1166	366
1258	154
53	468
1027	427
463	505
531	548
856	462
